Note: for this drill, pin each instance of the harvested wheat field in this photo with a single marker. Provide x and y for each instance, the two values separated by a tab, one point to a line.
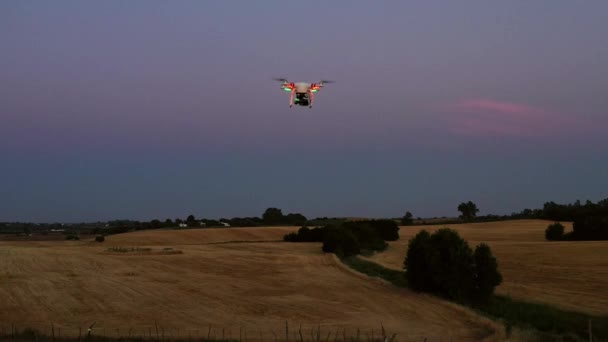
571	275
254	286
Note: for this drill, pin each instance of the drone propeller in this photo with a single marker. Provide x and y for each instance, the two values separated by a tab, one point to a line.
326	81
280	79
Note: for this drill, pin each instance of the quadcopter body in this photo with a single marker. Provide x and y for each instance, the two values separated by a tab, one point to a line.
301	93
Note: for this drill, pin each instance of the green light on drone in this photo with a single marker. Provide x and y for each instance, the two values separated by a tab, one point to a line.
286	89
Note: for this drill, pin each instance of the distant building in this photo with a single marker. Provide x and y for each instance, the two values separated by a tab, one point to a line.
203	224
225	224
183	225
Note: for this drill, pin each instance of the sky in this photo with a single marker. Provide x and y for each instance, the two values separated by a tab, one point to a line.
161	109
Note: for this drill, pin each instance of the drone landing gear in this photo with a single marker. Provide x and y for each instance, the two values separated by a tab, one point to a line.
311	98
291	95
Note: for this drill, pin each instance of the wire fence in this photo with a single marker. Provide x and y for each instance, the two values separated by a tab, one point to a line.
157	332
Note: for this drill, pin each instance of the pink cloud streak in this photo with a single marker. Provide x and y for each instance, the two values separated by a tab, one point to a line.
486	117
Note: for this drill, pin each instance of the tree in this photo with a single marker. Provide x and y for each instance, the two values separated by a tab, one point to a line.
191	221
407	219
295	219
469	210
444	264
417	262
554	232
486	271
272	216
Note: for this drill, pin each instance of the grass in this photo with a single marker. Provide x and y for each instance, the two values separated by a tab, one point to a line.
550	321
374	270
545	318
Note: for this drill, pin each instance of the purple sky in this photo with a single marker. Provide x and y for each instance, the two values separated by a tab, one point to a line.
160	109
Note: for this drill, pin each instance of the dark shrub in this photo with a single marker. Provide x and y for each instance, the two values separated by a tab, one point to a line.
444	264
417	262
487	275
341	241
348	238
388	229
554	232
306	234
100	238
367	236
590	228
72	237
291	237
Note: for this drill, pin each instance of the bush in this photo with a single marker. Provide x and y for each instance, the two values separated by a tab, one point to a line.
341	241
291	237
100	238
306	234
590	228
349	238
554	232
444	264
388	229
368	237
72	237
486	273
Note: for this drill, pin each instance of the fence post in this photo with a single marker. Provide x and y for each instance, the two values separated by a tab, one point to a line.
590	331
156	325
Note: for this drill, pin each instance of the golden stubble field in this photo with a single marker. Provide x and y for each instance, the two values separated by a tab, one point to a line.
231	279
570	275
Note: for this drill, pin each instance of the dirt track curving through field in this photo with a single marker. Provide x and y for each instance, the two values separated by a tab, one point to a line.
572	275
254	286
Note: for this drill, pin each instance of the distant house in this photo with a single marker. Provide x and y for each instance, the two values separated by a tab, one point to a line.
183	225
203	224
225	224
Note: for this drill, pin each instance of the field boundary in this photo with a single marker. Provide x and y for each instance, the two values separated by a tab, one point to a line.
155	332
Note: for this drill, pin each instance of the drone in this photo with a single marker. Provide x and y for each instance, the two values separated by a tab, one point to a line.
301	93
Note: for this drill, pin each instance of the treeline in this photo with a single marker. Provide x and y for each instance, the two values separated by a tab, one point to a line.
349	238
25	228
575	211
589	221
583	229
572	212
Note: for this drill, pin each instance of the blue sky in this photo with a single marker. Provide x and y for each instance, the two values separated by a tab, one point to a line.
155	109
